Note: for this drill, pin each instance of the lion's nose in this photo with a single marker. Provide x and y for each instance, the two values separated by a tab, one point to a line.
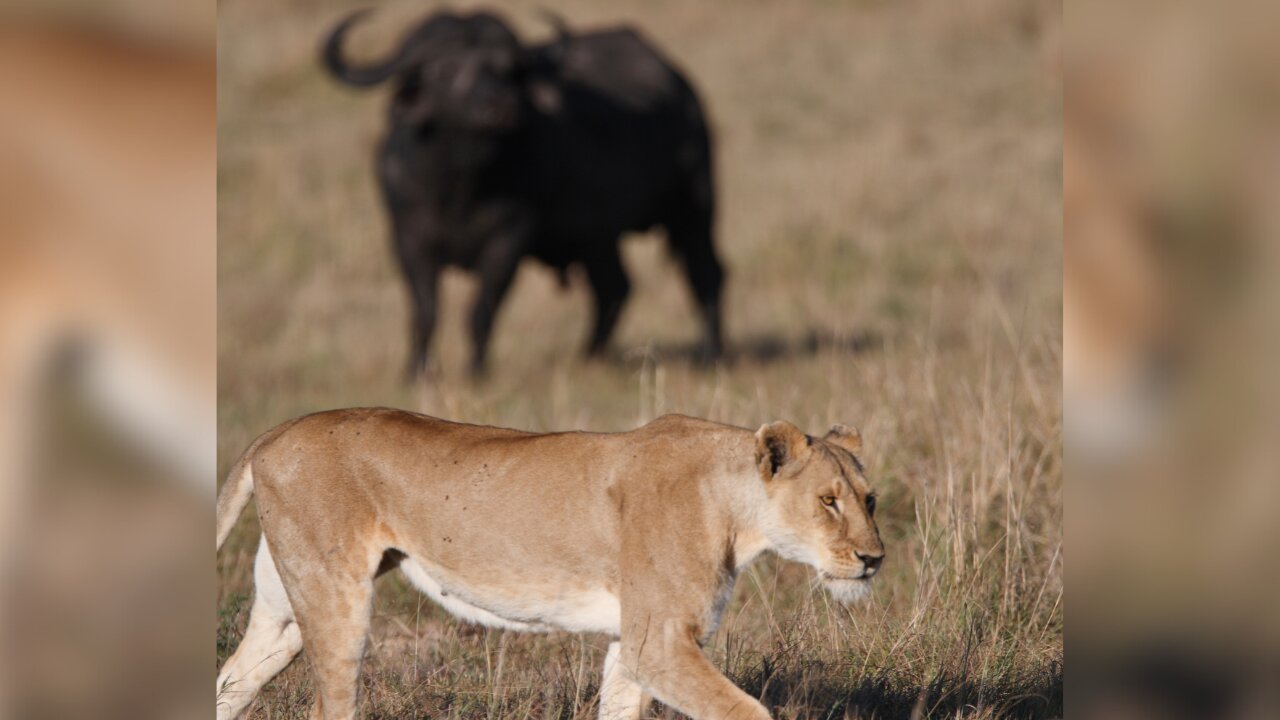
870	562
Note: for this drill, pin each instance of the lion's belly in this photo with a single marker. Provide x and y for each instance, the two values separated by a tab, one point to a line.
531	607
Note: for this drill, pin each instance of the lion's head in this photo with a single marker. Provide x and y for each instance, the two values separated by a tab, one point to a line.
821	511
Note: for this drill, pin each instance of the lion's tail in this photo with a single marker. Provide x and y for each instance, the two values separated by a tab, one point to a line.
238	488
235	494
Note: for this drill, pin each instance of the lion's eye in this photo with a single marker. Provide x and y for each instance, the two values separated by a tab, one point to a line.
871	504
828	500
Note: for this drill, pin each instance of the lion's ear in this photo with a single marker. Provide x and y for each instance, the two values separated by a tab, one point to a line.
846	437
777	444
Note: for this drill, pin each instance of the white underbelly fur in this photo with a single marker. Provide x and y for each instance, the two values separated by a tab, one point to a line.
595	610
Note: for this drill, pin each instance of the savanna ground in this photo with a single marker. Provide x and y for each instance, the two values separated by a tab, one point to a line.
890	214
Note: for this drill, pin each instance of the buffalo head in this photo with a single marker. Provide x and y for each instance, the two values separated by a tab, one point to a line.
455	70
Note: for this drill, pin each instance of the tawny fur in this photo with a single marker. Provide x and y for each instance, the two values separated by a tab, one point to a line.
108	168
638	534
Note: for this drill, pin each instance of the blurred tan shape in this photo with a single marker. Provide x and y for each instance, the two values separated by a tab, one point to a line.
1169	355
108	234
1115	302
107	290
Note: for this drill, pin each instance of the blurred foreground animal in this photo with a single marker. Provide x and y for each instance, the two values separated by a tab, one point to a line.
108	247
1119	322
496	151
639	535
108	170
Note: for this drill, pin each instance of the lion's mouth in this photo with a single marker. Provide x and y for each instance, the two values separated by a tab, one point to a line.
863	576
847	590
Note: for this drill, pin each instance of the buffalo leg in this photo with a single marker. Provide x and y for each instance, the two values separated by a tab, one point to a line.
424	281
610	287
706	278
497	269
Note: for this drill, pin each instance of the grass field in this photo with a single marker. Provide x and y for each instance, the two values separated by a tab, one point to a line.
890	214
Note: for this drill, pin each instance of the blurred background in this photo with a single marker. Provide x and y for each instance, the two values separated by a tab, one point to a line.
890	189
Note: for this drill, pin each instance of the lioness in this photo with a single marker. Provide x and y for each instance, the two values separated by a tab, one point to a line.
637	534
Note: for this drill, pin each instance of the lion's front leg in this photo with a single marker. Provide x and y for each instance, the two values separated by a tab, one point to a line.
664	655
621	696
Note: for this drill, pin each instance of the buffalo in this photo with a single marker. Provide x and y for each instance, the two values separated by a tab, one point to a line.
496	150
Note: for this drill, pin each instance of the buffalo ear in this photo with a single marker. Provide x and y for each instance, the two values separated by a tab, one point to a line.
777	445
846	437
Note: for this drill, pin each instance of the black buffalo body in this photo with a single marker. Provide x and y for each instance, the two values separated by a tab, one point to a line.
497	150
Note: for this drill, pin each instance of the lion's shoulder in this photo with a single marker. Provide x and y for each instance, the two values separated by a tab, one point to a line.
675	422
690	441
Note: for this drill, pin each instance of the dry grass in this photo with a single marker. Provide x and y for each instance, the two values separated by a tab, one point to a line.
890	185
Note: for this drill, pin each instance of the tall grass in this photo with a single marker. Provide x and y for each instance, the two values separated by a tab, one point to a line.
890	214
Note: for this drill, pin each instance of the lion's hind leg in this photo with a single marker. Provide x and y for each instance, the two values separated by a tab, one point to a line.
270	643
333	598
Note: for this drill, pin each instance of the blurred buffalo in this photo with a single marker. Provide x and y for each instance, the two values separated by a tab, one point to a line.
496	150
